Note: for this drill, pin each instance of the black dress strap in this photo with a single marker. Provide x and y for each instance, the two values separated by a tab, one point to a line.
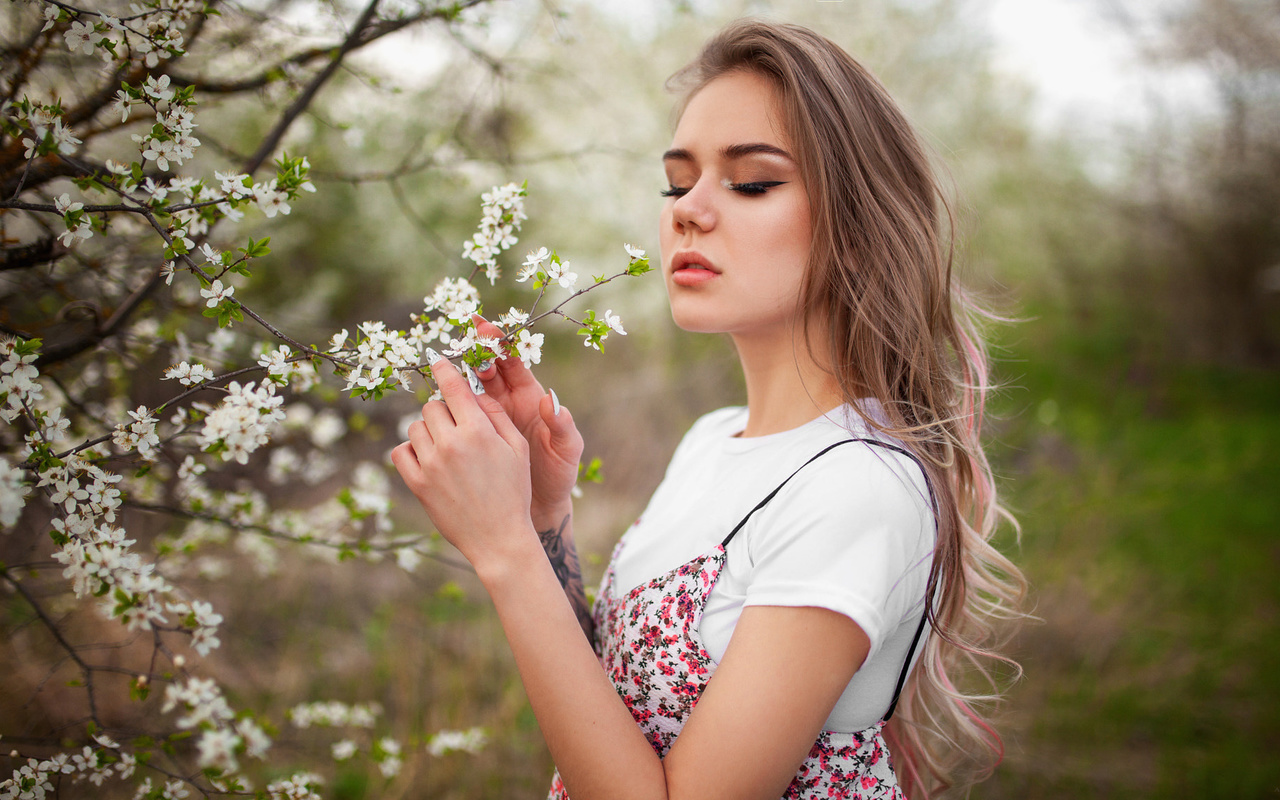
933	502
778	488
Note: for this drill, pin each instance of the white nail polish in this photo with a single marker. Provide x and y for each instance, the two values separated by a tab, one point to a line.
472	379
555	402
432	355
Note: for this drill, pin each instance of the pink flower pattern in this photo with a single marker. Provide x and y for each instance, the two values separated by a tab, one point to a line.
648	643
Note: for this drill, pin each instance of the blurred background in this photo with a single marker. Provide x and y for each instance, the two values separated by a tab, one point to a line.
1117	168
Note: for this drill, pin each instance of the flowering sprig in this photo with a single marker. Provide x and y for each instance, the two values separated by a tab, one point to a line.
384	359
91	447
503	213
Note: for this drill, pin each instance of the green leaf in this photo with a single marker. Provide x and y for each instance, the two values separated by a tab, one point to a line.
256	248
590	472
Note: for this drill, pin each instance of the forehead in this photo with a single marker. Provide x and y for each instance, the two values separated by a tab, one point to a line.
736	107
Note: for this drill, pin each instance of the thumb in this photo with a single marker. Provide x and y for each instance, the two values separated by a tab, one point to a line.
564	434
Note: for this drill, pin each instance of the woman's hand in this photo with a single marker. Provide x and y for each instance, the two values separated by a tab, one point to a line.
555	446
469	467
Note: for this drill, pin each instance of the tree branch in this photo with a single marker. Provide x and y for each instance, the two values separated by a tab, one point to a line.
303	100
85	669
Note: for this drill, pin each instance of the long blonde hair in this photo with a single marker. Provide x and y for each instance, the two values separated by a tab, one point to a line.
902	331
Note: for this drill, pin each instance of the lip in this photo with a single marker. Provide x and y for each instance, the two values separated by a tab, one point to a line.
684	258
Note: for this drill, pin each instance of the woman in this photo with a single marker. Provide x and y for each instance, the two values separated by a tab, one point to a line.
803	552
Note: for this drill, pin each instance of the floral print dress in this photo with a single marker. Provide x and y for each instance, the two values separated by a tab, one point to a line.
648	643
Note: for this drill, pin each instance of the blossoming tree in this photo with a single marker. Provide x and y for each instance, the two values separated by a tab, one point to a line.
120	253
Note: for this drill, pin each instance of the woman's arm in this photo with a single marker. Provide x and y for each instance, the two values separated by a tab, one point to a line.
752	728
555	447
557	543
759	715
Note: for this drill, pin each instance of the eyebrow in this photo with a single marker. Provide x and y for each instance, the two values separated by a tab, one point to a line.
731	153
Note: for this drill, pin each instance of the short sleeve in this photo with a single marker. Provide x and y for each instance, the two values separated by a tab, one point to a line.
853	532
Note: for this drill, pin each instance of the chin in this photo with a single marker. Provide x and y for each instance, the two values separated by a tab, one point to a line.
694	320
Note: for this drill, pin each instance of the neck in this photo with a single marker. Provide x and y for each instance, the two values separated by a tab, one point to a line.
786	385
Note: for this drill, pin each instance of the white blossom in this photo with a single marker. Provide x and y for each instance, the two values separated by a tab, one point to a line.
333	713
243	421
158	88
344	749
256	741
271	200
454	298
141	434
233	184
189	374
30	781
558	272
216	293
80	37
468	741
537	258
276	363
529	347
121	106
201	700
327	428
615	324
407	558
502	214
296	787
13	493
389	762
513	318
217	748
381	356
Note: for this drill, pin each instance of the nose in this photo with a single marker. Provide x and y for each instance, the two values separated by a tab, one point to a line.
695	209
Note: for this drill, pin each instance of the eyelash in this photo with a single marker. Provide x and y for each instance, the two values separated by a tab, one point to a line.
750	188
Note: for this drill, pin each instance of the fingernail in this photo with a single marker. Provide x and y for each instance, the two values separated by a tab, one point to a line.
484	365
476	386
555	402
432	355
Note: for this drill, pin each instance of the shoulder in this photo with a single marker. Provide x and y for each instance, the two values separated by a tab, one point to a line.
862	469
714	426
723	422
858	496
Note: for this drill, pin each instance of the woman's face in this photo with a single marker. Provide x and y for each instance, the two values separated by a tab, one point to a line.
735	229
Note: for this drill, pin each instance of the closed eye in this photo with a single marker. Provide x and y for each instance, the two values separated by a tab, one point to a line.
747	188
754	187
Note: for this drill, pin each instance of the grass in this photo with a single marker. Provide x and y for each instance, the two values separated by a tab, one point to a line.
1148	495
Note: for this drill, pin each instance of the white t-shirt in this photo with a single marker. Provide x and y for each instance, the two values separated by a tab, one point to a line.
853	532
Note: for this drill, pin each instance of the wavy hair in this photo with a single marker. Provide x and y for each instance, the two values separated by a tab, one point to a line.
902	330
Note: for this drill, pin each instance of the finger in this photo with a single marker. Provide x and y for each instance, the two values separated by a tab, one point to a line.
486	328
436	418
406	463
501	422
456	391
420	441
516	374
564	434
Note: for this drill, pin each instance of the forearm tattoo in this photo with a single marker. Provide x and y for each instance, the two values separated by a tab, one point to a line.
564	560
